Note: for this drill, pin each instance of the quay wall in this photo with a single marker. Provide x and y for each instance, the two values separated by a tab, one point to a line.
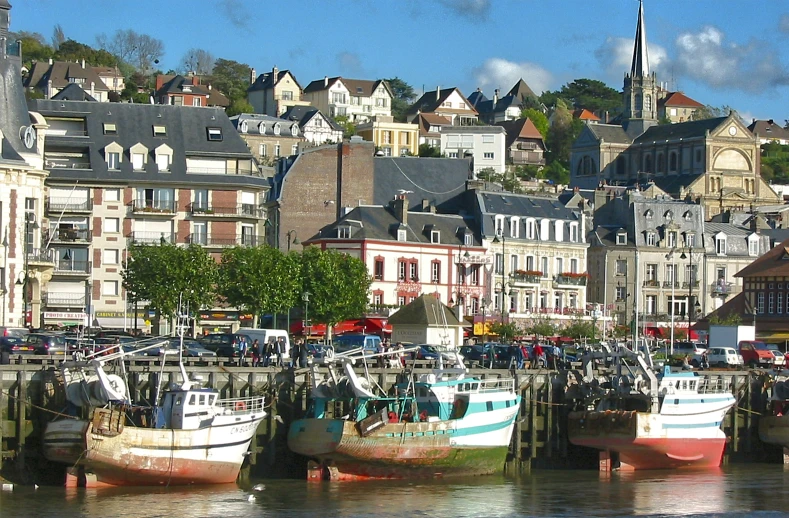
29	397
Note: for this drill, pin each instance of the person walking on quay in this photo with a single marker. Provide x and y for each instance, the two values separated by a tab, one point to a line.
243	347
280	351
303	353
556	353
268	350
255	353
381	349
518	355
539	355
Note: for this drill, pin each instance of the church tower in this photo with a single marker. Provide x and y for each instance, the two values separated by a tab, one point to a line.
640	90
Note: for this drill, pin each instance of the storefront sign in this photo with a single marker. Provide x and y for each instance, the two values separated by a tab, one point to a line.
474	259
120	314
63	315
219	315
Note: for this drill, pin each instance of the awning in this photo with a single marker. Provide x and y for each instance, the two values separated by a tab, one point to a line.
778	336
376	326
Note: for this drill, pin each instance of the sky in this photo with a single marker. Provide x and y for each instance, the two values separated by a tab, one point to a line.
719	52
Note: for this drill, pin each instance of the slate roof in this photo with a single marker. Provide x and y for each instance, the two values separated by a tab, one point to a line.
254	120
610	133
424	310
501	105
186	134
266	80
14	113
524	206
519	129
673	184
380	223
773	263
690	129
521	90
217	98
768	129
736	238
175	85
361	87
438	180
476	97
61	73
304	114
429	102
659	222
73	92
681	100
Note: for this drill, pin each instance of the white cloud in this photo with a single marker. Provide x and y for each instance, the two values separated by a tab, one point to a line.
500	73
615	55
705	56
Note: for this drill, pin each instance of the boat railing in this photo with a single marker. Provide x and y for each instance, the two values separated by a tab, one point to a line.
714	386
486	385
242	405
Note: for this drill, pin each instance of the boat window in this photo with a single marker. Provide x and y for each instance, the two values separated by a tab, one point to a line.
192	399
211	399
202	399
475	386
178	400
489	405
684	385
692	385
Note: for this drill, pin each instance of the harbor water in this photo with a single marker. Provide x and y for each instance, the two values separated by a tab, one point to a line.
742	490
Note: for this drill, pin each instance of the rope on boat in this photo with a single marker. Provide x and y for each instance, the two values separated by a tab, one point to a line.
33	405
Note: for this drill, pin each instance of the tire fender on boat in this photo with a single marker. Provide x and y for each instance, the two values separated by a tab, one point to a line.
240	406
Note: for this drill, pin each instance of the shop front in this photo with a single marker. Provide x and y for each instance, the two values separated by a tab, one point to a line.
223	321
64	319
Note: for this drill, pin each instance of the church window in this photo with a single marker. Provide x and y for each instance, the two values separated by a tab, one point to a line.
661	163
648	163
647	102
672	162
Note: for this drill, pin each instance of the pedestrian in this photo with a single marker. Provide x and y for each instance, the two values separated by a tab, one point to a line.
556	352
539	355
518	353
381	349
255	353
303	353
686	363
280	351
705	361
243	347
400	353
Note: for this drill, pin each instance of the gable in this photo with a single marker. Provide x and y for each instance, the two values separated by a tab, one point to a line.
732	128
455	98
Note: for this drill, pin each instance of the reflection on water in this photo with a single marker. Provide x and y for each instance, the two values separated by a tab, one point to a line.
732	491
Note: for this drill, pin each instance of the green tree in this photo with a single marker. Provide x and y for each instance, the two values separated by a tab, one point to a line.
543	327
337	284
404	96
163	273
34	47
239	106
591	94
260	279
231	78
579	329
556	173
348	127
71	50
506	331
527	172
428	151
537	118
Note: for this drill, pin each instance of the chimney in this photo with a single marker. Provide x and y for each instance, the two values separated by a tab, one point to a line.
400	208
195	80
92	88
159	82
252	75
325	81
50	61
48	93
83	63
438	92
425	205
495	96
275	74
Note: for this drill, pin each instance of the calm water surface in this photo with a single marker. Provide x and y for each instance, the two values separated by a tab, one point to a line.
753	490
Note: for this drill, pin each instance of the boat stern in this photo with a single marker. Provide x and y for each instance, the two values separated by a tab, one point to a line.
315	437
64	440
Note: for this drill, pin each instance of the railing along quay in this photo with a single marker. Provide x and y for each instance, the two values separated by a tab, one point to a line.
29	398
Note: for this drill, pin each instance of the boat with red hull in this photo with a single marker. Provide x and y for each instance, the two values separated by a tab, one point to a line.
648	423
439	424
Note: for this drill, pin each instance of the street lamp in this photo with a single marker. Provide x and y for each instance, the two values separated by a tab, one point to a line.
500	239
306	298
294	240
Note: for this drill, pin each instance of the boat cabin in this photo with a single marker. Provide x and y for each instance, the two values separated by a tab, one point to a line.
187	409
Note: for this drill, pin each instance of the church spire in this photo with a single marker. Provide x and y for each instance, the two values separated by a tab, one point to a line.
640	66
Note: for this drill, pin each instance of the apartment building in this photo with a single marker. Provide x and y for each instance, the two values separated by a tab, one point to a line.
357	99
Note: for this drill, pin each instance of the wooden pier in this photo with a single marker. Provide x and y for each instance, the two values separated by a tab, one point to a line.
29	397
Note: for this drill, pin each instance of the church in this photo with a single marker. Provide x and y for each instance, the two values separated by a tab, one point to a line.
713	162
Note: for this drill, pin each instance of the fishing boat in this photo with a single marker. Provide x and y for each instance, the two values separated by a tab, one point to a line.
436	424
774	428
646	421
191	436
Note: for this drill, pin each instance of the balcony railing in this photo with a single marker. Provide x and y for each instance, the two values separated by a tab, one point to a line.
691	284
526	278
153	207
568	280
227	239
721	288
243	210
67	205
66	267
69	235
152	238
41	256
67	164
651	283
72	300
668	284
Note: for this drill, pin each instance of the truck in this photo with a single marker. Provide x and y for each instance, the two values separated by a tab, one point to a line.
754	353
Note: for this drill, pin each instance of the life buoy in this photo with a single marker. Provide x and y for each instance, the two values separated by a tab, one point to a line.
240	406
423	416
392	417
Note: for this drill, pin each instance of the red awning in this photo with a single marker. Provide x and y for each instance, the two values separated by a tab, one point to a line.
376	326
297	328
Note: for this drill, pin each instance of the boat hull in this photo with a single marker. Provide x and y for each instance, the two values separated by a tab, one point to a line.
403	450
644	440
149	456
774	430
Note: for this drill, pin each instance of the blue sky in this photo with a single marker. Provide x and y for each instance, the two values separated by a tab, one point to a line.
719	52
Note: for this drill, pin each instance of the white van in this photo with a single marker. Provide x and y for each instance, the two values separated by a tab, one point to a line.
265	335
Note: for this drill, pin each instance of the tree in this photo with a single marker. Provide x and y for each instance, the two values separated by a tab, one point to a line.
537	118
348	127
428	151
58	36
527	172
562	134
404	96
260	279
579	329
231	78
239	106
129	46
506	331
71	50
199	61
556	173
164	273
34	47
543	327
337	284
591	94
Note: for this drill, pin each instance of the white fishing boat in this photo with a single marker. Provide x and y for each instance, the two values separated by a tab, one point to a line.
190	436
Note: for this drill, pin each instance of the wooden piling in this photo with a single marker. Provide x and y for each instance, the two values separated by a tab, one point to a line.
21	428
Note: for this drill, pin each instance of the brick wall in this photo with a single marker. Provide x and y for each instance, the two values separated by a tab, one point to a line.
98	195
224	199
182	234
184	199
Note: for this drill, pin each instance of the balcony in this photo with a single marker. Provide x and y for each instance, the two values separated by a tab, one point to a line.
69	235
570	279
721	289
526	277
41	257
83	165
66	300
651	283
72	268
223	240
154	207
244	210
691	284
152	238
668	284
67	206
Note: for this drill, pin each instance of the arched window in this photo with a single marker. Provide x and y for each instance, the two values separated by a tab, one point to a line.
648	163
647	102
661	163
276	128
244	126
672	162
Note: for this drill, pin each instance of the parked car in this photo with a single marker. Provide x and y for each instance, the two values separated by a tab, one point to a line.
723	357
43	343
224	344
780	360
192	348
20	332
317	351
425	352
14	345
756	354
692	349
474	355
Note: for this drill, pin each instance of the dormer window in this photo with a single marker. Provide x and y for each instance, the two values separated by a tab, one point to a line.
401	235
648	214
720	244
294	130
668	215
435	236
672	239
343	232
498	225
651	239
277	128
215	134
262	128
468	239
514	227
690	240
621	238
244	127
687	216
753	245
159	131
110	128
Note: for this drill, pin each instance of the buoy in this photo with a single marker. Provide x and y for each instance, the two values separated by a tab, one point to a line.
240	405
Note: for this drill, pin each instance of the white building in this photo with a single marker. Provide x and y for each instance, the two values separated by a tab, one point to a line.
358	100
486	144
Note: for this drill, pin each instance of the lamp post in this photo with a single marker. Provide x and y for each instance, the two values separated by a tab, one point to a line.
690	306
670	256
484	303
306	298
294	240
500	239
